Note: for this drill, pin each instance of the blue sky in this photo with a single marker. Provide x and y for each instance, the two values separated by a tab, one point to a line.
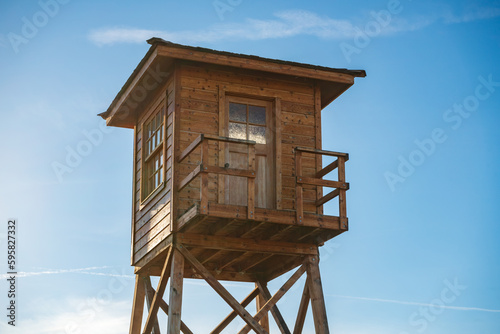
422	253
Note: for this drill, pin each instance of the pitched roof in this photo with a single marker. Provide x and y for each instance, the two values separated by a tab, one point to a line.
334	80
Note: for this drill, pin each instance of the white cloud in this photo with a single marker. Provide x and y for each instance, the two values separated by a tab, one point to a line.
286	24
74	316
473	15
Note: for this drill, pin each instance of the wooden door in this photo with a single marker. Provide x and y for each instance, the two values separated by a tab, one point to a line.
250	119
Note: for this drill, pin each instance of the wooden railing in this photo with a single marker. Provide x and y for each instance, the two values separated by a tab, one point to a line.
340	186
204	169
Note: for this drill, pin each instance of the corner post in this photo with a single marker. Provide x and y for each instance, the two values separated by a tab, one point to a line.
204	177
251	182
138	306
316	294
175	301
342	194
299	203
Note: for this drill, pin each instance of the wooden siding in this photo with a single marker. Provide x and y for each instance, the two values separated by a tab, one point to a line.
152	216
203	88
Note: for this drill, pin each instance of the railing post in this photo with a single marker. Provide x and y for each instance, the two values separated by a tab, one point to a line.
204	178
342	199
251	182
299	203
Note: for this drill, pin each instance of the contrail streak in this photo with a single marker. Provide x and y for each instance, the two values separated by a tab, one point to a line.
51	272
460	308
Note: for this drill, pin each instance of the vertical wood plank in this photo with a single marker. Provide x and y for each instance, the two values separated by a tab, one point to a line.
342	194
251	183
221	146
176	284
301	314
261	301
317	298
277	139
317	128
134	190
176	149
146	280
165	135
204	178
299	203
137	307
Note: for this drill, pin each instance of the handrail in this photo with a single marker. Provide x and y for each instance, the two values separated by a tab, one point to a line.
194	144
341	186
204	169
323	152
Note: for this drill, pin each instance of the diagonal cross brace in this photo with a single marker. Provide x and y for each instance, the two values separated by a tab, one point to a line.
301	314
278	318
248	299
277	296
219	288
155	304
150	292
164	306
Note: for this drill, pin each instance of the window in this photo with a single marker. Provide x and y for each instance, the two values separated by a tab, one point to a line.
247	122
153	171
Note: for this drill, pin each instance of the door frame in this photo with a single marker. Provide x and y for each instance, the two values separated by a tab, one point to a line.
275	108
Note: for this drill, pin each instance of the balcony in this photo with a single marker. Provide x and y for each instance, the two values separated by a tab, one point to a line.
211	218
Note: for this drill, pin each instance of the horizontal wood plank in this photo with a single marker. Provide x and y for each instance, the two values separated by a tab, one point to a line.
323	183
245	245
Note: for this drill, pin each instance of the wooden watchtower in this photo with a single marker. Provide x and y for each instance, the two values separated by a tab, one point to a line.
228	179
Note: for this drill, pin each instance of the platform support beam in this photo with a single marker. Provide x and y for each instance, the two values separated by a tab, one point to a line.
178	256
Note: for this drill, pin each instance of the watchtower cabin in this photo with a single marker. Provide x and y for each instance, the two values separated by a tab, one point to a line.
228	180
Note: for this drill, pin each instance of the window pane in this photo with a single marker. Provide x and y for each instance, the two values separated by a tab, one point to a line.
257	115
257	133
237	131
237	112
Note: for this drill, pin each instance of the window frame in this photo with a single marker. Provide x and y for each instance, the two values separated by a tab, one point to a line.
249	101
157	152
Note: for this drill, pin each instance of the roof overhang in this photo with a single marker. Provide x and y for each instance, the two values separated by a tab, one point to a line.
156	65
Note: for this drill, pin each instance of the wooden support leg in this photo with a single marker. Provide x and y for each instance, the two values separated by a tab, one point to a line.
280	321
301	315
177	275
137	307
260	301
228	298
155	304
164	306
146	280
317	297
277	296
